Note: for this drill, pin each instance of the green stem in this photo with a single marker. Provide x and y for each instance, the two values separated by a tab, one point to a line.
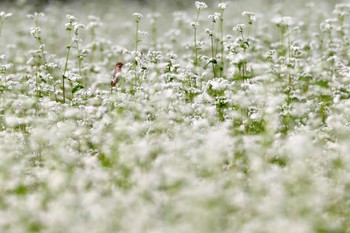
42	50
65	67
289	43
93	49
195	47
4	75
79	59
222	42
154	34
244	66
40	42
1	23
289	60
37	88
212	55
137	36
195	40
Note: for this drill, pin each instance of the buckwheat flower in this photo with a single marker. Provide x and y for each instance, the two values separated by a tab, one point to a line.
288	21
252	18
6	67
222	5
283	21
71	18
270	54
137	16
296	50
172	55
94	22
342	9
93	25
29	16
52	65
247	13
238	28
200	5
40	14
329	24
214	18
200	43
93	18
194	24
3	15
77	40
77	27
143	33
35	31
217	84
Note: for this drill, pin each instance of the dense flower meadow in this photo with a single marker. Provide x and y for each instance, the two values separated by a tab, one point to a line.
222	121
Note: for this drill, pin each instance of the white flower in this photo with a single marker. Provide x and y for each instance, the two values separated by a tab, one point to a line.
93	24
143	33
29	16
288	21
222	5
8	15
328	24
214	17
283	21
35	31
250	15
76	40
41	14
3	15
93	18
137	16
200	5
247	13
172	55
342	9
194	24
238	28
77	27
71	18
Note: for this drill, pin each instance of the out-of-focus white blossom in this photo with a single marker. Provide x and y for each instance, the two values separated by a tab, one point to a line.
200	5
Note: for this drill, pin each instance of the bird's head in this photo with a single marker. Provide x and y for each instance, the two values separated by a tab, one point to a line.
119	65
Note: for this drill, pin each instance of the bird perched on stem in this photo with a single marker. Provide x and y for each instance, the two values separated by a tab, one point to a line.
115	76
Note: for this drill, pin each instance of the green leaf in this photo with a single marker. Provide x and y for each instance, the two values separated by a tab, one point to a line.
42	79
76	88
65	77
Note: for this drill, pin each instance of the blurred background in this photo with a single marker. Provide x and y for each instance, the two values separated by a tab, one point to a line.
179	4
117	24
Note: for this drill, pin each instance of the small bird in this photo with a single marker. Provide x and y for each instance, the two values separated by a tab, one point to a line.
115	76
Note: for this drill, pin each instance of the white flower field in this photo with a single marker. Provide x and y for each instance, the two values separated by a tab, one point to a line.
227	117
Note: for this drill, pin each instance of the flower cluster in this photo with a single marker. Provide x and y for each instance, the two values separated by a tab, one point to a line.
137	16
200	5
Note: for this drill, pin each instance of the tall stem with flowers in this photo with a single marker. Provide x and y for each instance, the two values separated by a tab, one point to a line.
222	7
195	24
